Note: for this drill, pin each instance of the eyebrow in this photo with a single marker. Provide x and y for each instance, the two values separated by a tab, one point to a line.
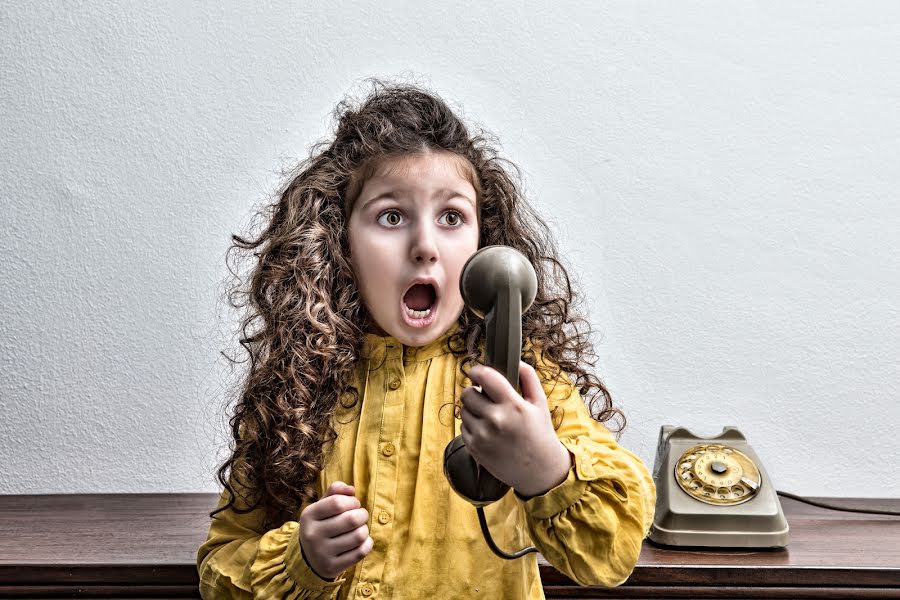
443	193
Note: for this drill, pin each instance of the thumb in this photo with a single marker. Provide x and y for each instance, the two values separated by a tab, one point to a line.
530	385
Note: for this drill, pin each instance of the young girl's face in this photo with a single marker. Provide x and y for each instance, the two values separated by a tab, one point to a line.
413	226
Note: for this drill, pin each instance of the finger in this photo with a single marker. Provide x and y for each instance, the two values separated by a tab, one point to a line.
471	432
343	523
339	487
474	401
332	506
468	418
351	557
494	386
530	384
349	540
465	434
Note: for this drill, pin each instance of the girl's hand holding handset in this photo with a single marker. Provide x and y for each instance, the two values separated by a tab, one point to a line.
512	435
333	531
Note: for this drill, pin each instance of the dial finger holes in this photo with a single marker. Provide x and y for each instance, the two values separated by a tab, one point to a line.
717	474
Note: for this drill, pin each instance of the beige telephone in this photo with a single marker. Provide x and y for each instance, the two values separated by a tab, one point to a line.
714	492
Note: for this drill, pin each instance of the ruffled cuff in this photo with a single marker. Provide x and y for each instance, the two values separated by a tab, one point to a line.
280	571
567	493
589	526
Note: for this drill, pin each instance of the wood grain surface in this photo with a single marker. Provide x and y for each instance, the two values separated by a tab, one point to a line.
145	545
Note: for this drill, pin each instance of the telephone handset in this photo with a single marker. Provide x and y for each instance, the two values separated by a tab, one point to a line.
498	284
714	492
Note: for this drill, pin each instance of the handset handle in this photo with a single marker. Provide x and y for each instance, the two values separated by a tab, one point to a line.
504	335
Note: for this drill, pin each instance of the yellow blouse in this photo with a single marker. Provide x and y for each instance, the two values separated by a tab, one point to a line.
428	542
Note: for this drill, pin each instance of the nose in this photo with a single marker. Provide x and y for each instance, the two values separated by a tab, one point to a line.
424	244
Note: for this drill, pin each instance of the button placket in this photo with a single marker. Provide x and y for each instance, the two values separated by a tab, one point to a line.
384	483
388	449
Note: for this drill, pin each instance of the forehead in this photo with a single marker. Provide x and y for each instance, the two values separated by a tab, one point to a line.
447	167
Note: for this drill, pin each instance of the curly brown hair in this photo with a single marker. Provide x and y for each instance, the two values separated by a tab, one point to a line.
306	322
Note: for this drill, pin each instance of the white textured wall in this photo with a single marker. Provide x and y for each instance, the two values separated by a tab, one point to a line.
724	177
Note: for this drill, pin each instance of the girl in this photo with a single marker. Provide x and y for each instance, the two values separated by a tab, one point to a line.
364	365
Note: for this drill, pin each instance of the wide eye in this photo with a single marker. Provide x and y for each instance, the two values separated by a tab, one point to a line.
390	218
453	218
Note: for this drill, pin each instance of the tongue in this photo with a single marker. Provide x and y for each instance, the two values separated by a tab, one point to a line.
419	296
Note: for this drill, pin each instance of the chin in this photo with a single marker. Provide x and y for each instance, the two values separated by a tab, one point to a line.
422	337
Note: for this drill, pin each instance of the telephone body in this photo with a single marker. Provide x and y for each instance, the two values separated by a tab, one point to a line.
714	492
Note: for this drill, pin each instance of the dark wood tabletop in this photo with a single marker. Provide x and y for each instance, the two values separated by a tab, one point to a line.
130	545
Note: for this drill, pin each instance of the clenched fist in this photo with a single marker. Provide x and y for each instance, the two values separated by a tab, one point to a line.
333	531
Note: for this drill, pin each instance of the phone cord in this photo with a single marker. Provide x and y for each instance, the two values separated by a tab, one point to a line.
493	546
871	511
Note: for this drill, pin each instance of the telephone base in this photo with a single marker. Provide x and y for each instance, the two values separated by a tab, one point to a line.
714	493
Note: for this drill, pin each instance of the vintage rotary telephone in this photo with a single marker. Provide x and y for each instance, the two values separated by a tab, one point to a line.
714	492
498	284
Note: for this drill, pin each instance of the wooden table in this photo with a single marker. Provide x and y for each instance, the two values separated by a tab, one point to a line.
145	545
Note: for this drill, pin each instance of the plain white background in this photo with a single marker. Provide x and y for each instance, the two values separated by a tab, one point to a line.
723	179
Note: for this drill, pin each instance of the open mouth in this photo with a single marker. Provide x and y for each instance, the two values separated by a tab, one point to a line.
420	304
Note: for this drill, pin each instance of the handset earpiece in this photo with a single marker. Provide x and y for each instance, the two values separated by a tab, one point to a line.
498	284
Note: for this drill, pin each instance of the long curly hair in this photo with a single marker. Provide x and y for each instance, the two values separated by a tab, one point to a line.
305	322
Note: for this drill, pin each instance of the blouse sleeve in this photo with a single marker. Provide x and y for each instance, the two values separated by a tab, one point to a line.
591	526
239	559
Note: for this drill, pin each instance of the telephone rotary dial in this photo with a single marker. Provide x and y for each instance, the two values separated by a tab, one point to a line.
717	474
